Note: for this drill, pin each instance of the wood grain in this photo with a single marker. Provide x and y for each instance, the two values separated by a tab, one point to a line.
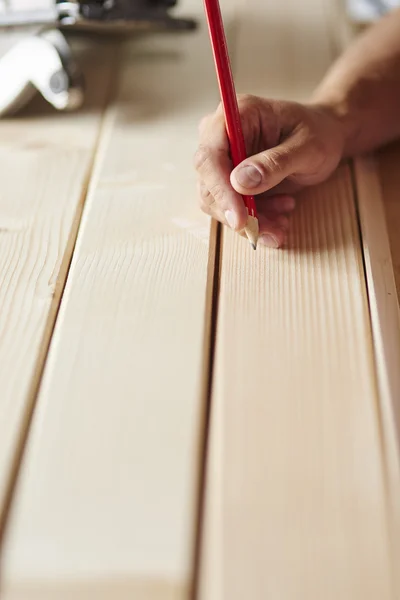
109	486
378	209
297	478
389	171
282	51
383	299
99	588
385	321
303	489
45	160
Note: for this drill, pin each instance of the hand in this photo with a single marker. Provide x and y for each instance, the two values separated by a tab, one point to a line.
290	145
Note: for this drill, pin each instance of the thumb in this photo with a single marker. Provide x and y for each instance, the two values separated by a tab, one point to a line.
264	171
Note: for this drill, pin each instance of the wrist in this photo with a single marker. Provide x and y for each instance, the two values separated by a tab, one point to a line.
345	123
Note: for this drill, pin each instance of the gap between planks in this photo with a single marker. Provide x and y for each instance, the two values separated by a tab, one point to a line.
51	320
210	335
232	28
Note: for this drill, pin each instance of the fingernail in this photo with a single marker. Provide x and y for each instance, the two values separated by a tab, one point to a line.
230	218
269	240
248	176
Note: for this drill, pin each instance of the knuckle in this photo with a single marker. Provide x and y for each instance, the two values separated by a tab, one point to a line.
202	158
280	109
205	197
217	192
274	162
246	99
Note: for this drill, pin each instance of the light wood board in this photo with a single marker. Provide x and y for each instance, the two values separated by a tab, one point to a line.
296	492
108	489
377	212
389	171
45	160
297	505
383	301
385	321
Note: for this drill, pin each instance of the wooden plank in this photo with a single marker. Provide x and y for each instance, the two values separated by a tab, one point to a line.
292	71
45	160
377	217
389	171
116	442
343	32
297	478
122	588
383	299
385	320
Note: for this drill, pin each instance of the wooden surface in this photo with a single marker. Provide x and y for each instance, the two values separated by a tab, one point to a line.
120	410
299	443
385	324
383	301
298	499
297	478
389	170
45	162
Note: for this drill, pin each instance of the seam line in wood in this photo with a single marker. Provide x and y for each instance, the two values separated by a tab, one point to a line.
367	294
210	337
364	266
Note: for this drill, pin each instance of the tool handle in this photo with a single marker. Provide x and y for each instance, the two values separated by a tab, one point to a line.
227	90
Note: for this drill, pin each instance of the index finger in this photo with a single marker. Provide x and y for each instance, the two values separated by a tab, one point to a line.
214	166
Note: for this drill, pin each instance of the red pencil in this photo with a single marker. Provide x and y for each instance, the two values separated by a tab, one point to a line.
230	105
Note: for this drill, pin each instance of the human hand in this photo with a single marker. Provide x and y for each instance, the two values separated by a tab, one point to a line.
289	146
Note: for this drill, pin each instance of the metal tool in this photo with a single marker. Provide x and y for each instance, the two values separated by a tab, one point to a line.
364	11
44	61
40	63
104	16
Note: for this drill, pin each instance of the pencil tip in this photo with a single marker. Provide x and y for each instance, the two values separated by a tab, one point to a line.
251	230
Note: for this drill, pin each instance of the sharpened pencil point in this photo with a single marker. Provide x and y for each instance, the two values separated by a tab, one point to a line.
251	231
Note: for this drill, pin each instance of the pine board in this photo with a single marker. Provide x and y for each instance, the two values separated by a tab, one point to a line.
109	486
389	171
45	160
385	321
376	195
384	306
282	51
296	505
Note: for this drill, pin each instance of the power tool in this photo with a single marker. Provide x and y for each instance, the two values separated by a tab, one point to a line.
367	11
44	62
99	15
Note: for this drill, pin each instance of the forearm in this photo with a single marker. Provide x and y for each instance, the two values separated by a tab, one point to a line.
363	88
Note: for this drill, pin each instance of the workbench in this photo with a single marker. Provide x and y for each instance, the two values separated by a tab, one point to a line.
180	416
